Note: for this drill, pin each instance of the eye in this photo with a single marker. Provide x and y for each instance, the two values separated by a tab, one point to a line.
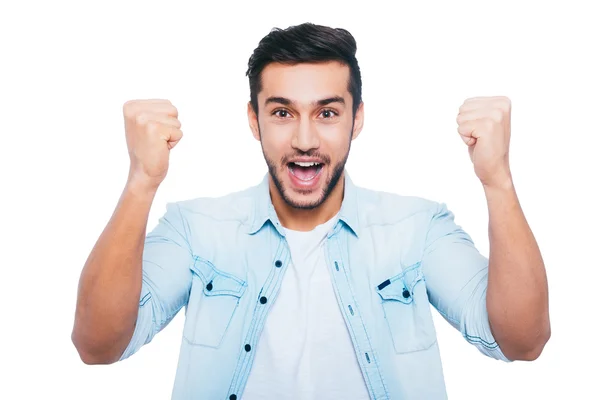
281	113
328	113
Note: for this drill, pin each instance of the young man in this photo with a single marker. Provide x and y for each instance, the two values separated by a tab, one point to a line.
307	286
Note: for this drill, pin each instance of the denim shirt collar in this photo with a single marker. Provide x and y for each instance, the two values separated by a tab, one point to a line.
264	210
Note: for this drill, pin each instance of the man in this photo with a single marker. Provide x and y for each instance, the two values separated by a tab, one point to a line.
307	286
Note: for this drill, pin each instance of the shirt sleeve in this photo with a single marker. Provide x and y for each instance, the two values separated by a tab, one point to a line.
166	277
456	275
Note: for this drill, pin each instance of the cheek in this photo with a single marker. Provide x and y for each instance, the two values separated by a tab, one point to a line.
274	142
336	139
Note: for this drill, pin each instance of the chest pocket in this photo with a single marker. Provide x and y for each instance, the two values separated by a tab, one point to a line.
214	298
407	311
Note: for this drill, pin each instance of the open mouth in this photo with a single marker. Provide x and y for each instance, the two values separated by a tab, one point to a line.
305	171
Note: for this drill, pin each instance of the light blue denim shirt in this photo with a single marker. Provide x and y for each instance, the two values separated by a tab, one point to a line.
389	257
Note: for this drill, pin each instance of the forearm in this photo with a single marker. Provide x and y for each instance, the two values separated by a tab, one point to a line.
517	294
111	280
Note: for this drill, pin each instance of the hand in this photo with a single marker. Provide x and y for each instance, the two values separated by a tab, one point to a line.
484	126
152	130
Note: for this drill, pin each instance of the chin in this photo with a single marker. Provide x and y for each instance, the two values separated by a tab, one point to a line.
298	197
303	201
301	190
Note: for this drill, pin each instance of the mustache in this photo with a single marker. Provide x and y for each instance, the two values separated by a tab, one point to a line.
324	158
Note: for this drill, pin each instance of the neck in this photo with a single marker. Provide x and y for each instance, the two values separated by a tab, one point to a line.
306	220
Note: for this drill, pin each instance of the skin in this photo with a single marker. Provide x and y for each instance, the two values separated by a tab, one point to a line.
292	122
110	283
111	279
517	295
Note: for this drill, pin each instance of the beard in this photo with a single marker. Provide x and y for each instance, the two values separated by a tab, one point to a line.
330	183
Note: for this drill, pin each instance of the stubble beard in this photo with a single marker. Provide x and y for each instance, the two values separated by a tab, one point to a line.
330	184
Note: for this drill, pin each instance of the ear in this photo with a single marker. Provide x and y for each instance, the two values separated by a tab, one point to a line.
359	120
253	122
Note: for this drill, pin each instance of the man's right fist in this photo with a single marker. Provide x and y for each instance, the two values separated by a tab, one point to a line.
152	130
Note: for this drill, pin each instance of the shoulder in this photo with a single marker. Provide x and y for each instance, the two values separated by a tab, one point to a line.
380	207
235	206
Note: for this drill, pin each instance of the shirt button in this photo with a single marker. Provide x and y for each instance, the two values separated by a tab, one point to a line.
278	263
405	294
233	397
209	287
263	300
247	347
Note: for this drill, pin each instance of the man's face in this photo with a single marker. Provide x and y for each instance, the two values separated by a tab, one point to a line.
305	126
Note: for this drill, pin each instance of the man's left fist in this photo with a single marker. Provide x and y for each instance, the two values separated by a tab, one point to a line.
484	126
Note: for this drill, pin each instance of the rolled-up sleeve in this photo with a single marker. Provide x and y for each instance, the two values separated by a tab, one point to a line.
456	275
166	277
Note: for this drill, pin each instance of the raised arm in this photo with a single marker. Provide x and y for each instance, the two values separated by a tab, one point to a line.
517	287
517	295
113	288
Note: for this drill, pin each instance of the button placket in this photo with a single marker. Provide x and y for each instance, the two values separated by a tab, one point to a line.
360	339
270	288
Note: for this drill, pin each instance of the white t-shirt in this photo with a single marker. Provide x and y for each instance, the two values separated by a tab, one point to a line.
305	350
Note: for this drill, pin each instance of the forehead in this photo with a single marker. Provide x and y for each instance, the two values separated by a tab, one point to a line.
305	82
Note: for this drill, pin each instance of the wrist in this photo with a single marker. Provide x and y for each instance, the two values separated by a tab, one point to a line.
501	181
141	187
500	192
501	185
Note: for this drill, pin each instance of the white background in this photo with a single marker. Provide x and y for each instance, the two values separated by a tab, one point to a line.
66	70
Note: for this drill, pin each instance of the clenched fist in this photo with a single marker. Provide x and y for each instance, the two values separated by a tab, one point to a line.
484	126
152	130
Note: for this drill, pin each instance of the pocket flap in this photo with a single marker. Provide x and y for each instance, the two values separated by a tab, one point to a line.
217	282
401	287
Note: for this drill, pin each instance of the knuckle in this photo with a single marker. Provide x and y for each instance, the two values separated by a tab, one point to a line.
152	127
497	115
141	119
128	108
505	104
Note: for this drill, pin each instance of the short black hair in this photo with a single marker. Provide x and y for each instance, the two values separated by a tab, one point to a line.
305	43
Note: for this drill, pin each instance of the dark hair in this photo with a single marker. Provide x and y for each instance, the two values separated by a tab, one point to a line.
305	43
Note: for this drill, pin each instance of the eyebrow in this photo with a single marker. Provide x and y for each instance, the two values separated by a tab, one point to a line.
323	102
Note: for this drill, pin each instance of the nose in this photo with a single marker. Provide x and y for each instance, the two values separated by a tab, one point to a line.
306	137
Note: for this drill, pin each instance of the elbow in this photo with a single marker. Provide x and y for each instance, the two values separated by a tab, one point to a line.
88	355
531	354
531	350
93	359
